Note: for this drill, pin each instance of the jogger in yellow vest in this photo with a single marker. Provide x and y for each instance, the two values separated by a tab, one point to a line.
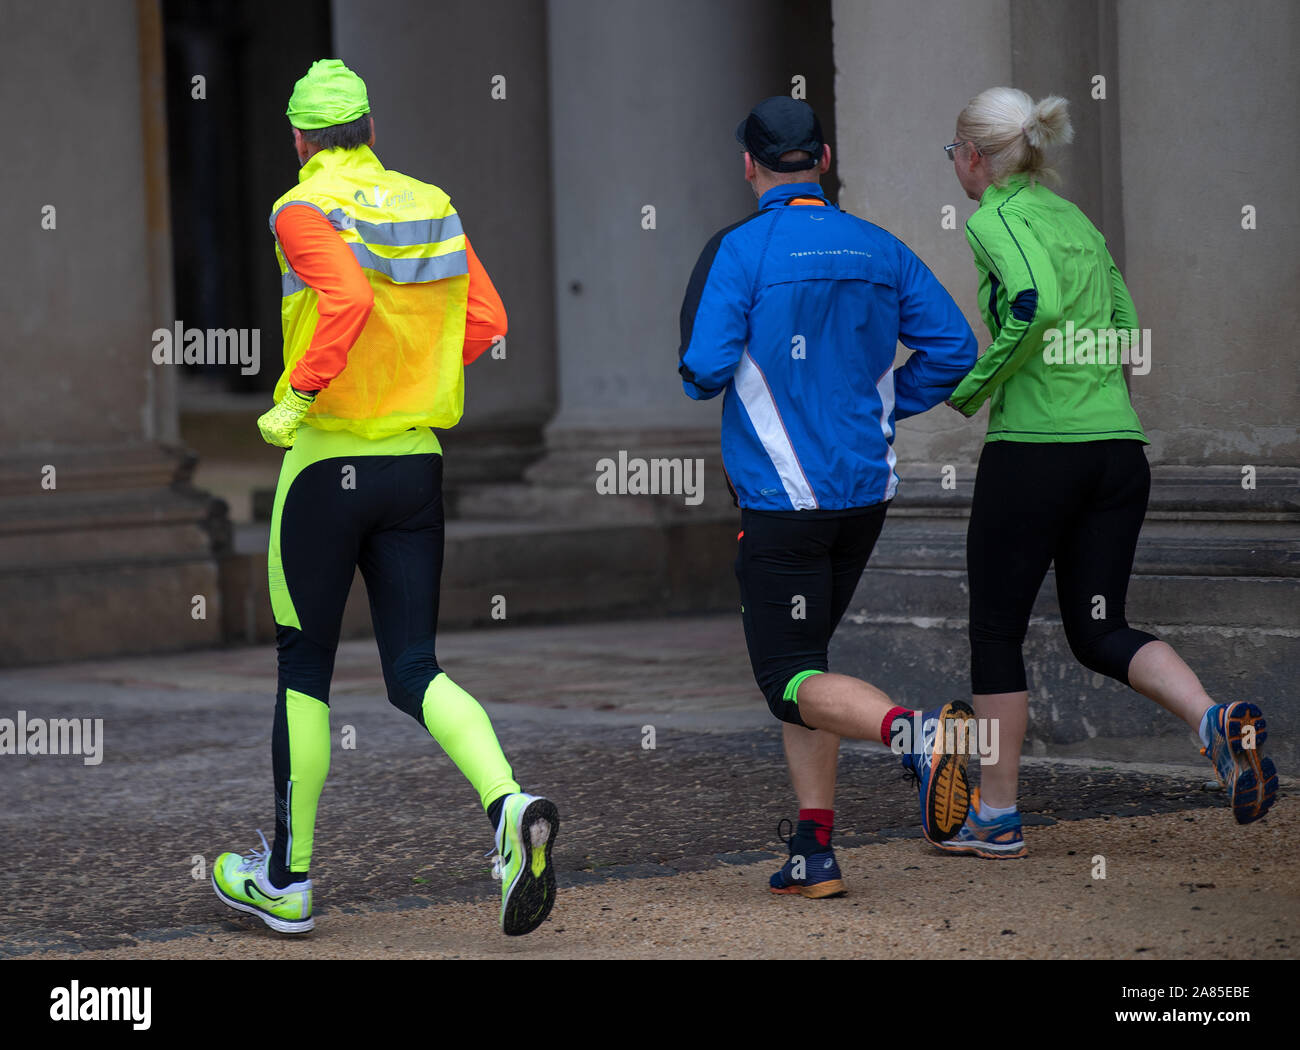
383	304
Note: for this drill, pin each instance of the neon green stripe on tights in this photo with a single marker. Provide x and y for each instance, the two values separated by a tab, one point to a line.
309	764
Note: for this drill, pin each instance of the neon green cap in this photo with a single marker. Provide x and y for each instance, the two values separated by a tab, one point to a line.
329	94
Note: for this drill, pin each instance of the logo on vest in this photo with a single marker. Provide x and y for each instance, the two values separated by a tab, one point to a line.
386	198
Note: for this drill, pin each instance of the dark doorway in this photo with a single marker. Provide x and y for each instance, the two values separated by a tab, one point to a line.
230	156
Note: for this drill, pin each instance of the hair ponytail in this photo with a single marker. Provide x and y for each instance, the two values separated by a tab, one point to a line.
1012	130
1048	123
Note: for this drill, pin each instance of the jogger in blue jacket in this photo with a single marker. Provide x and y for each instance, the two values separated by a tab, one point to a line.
794	315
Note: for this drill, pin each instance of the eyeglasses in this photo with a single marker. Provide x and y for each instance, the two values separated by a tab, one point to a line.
951	149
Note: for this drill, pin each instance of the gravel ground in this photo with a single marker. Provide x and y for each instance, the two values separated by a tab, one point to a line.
1172	891
662	853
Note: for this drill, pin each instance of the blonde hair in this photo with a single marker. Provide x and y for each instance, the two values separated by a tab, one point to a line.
1012	130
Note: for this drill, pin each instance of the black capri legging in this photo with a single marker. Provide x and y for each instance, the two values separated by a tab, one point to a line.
1078	504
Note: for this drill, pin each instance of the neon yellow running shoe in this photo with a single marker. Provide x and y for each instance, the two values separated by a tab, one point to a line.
523	861
242	884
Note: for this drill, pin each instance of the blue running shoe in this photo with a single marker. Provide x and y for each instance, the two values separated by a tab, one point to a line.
999	839
816	875
937	763
1236	751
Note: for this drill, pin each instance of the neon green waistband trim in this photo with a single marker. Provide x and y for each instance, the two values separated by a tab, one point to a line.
311	444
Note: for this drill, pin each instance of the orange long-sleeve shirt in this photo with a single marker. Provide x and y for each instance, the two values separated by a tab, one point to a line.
323	260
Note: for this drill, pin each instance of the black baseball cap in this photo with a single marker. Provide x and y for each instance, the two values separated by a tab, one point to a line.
778	125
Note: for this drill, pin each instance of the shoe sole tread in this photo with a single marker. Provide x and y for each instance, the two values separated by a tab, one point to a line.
532	896
1254	784
948	800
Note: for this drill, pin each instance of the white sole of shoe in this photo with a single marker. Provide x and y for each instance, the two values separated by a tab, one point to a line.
279	925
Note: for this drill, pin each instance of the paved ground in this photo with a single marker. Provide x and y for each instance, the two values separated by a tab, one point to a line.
663	852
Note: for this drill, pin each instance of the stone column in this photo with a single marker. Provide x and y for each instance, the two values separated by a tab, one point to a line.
645	99
103	547
905	71
1220	300
459	95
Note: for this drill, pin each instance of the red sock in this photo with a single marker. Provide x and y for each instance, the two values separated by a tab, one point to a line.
824	819
894	712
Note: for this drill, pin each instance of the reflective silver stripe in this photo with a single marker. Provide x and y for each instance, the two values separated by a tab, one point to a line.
288	822
286	204
401	271
885	388
290	282
399	234
413	271
759	403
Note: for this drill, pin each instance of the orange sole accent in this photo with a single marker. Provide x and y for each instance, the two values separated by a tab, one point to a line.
1251	757
833	888
949	799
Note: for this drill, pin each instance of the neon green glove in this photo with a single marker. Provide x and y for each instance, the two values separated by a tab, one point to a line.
279	426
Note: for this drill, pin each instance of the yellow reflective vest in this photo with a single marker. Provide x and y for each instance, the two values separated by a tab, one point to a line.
405	368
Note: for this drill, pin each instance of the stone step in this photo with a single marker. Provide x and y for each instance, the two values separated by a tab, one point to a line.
923	661
906	628
530	573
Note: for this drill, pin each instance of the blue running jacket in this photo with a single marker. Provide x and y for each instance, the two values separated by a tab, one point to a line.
796	312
